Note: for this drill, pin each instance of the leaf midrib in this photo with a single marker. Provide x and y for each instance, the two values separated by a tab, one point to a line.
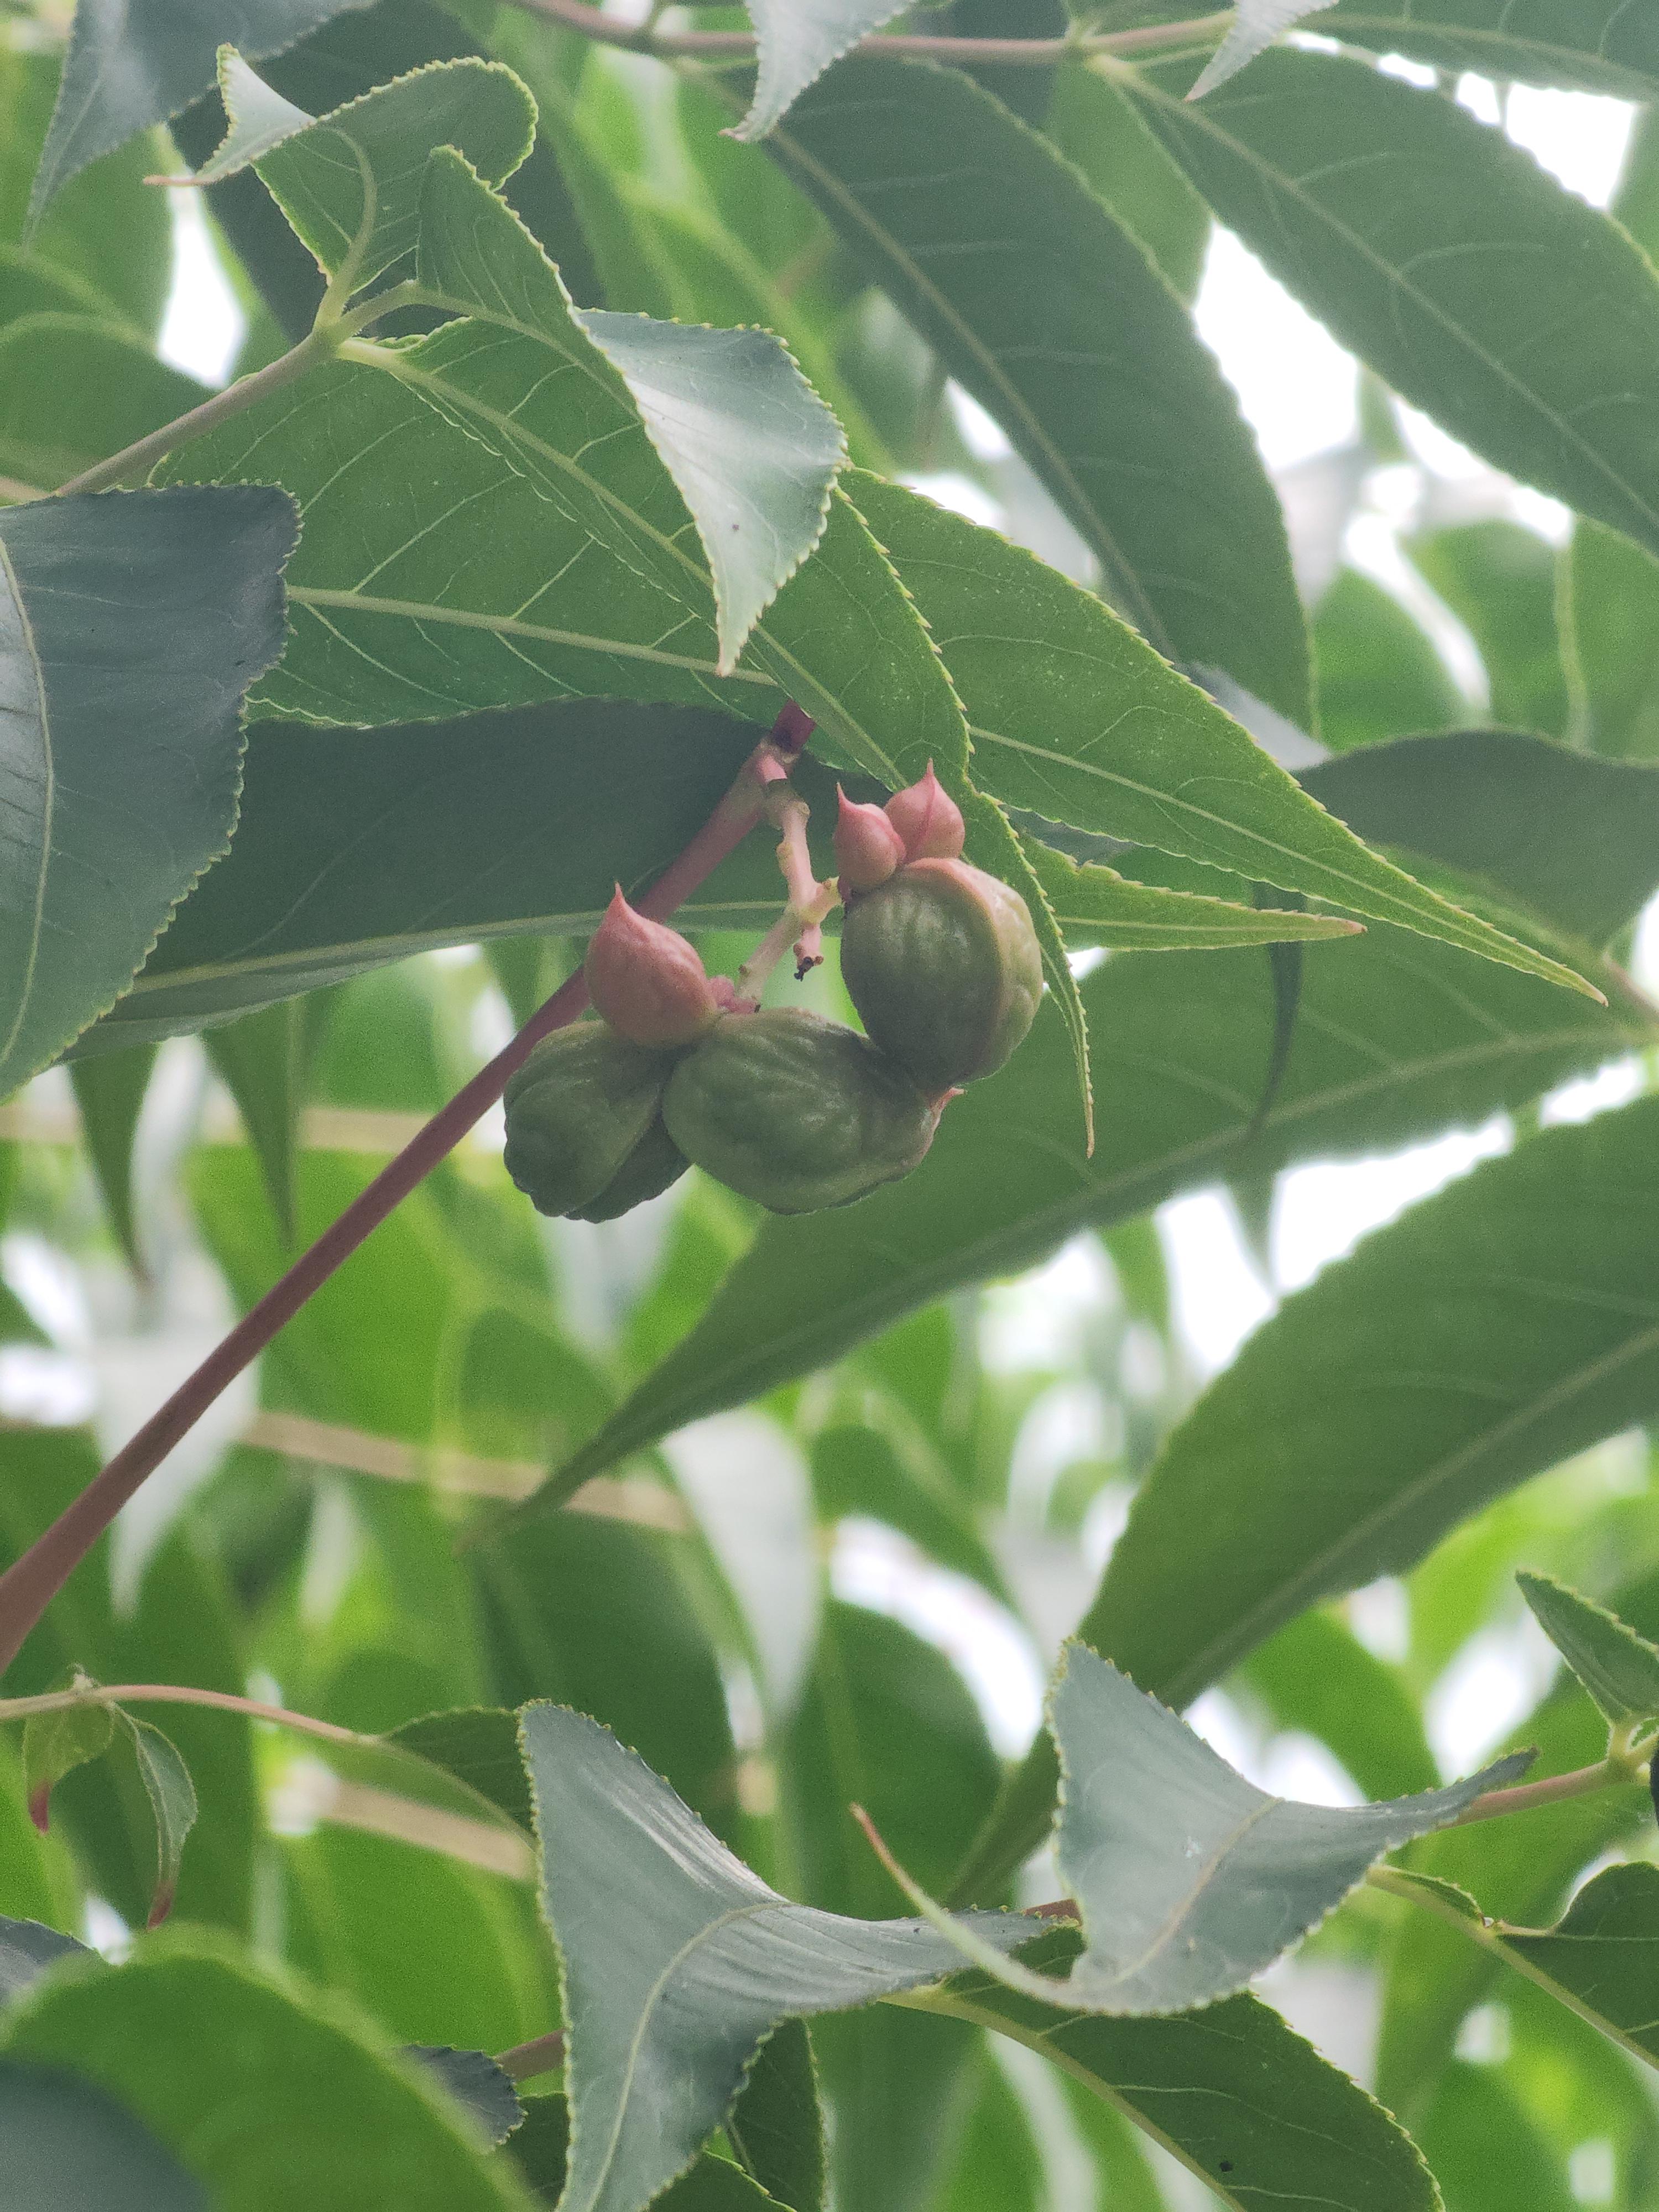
49	799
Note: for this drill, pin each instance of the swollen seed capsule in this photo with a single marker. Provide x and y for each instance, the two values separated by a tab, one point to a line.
575	1112
655	1163
796	1112
943	964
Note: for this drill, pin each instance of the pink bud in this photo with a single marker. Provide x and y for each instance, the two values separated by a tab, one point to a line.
929	820
868	848
647	981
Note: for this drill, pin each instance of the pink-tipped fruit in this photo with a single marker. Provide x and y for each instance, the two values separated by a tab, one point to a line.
647	981
929	820
868	848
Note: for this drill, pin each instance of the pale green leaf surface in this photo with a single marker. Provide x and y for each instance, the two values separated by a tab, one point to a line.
798	40
1595	45
221	2062
1395	1037
1099	130
350	182
171	1796
134	63
70	2146
1255	25
1524	321
751	449
1047	310
1072	716
109	826
667	2002
1188	1879
1620	1669
1245	2105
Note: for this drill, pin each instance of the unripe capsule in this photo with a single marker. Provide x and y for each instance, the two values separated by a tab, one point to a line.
576	1111
868	848
655	1163
943	964
929	820
646	980
796	1112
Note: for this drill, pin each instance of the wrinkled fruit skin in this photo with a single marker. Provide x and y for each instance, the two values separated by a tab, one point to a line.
795	1112
943	964
577	1110
654	1164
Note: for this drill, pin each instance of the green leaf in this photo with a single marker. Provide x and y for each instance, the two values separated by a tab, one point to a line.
73	392
1601	1955
55	1744
1189	1882
797	44
1094	905
262	1061
227	2064
1487	2150
1500	581
480	1747
345	180
1379	674
1048	311
476	2081
1620	1669
27	1949
1096	127
1241	2101
776	2127
1521	319
172	1796
1598	45
110	827
1610	623
1255	25
1141	753
1317	1676
1477	800
706	1962
1395	1037
134	63
69	2145
109	1096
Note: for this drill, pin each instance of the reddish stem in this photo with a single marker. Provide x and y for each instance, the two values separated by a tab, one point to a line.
29	1585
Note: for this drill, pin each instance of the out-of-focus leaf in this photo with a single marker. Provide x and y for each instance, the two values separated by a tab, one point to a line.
105	231
1597	46
1535	1268
262	1062
1188	1879
1613	623
1255	25
1499	580
667	2007
799	39
1026	91
110	826
474	2079
73	390
68	2145
55	1744
1523	320
1379	675
1395	1037
132	65
1315	1675
859	1470
1141	753
27	1949
775	2129
480	1748
303	2106
171	1796
1046	309
1097	127
596	1614
109	1095
1488	2151
1247	2107
1620	1669
1517	811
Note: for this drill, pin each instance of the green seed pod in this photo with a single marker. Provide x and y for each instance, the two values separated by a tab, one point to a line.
655	1163
942	962
576	1110
796	1112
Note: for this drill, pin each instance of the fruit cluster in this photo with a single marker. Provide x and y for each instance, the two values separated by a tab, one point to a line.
940	961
